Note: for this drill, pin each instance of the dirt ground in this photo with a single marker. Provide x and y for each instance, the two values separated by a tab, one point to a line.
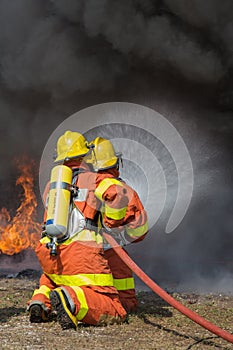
156	325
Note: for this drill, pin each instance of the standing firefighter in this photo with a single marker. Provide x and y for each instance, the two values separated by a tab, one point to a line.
122	215
76	281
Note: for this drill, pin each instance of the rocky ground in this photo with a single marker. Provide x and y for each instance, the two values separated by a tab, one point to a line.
156	325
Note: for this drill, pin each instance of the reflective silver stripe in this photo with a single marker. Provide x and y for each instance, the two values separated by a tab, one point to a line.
69	299
81	195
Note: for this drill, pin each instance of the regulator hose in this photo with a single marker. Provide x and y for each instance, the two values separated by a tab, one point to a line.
164	295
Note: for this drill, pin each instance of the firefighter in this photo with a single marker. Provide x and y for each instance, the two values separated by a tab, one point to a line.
76	282
126	219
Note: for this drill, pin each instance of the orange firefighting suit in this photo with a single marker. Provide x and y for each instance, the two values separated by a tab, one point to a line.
121	215
80	268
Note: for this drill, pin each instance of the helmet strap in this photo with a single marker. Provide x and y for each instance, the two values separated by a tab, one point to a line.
119	162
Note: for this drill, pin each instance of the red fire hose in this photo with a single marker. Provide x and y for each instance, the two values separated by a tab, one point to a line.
165	296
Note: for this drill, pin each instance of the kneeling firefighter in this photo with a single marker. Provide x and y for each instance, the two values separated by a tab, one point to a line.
126	219
76	282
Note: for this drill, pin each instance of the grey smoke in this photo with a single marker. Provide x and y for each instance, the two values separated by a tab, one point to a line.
175	56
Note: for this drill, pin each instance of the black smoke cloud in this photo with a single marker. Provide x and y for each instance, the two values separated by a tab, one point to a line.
54	54
60	47
175	56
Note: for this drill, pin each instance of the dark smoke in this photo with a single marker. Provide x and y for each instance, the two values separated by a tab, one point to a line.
175	56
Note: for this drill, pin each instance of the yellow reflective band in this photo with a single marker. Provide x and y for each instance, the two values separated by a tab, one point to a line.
124	283
101	279
43	290
83	303
44	240
104	185
115	214
137	232
85	235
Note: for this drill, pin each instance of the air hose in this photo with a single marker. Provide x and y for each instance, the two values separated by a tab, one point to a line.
164	295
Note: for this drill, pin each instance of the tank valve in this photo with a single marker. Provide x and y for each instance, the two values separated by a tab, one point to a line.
52	245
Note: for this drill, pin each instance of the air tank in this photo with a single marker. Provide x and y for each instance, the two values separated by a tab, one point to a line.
59	201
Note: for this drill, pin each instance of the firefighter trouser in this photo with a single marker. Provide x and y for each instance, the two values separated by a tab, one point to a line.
122	279
41	295
88	305
94	307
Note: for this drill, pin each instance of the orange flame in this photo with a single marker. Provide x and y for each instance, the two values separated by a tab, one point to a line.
21	231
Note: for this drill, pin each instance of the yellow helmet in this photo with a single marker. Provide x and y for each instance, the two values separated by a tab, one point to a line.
71	145
103	155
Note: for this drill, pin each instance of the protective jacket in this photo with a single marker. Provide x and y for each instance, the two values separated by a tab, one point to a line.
122	207
123	213
80	267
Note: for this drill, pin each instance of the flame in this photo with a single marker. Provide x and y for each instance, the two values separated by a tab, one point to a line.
21	231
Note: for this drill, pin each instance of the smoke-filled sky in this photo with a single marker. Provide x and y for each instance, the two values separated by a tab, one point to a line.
175	56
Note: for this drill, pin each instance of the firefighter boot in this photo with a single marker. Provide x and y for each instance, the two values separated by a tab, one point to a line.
37	314
62	307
